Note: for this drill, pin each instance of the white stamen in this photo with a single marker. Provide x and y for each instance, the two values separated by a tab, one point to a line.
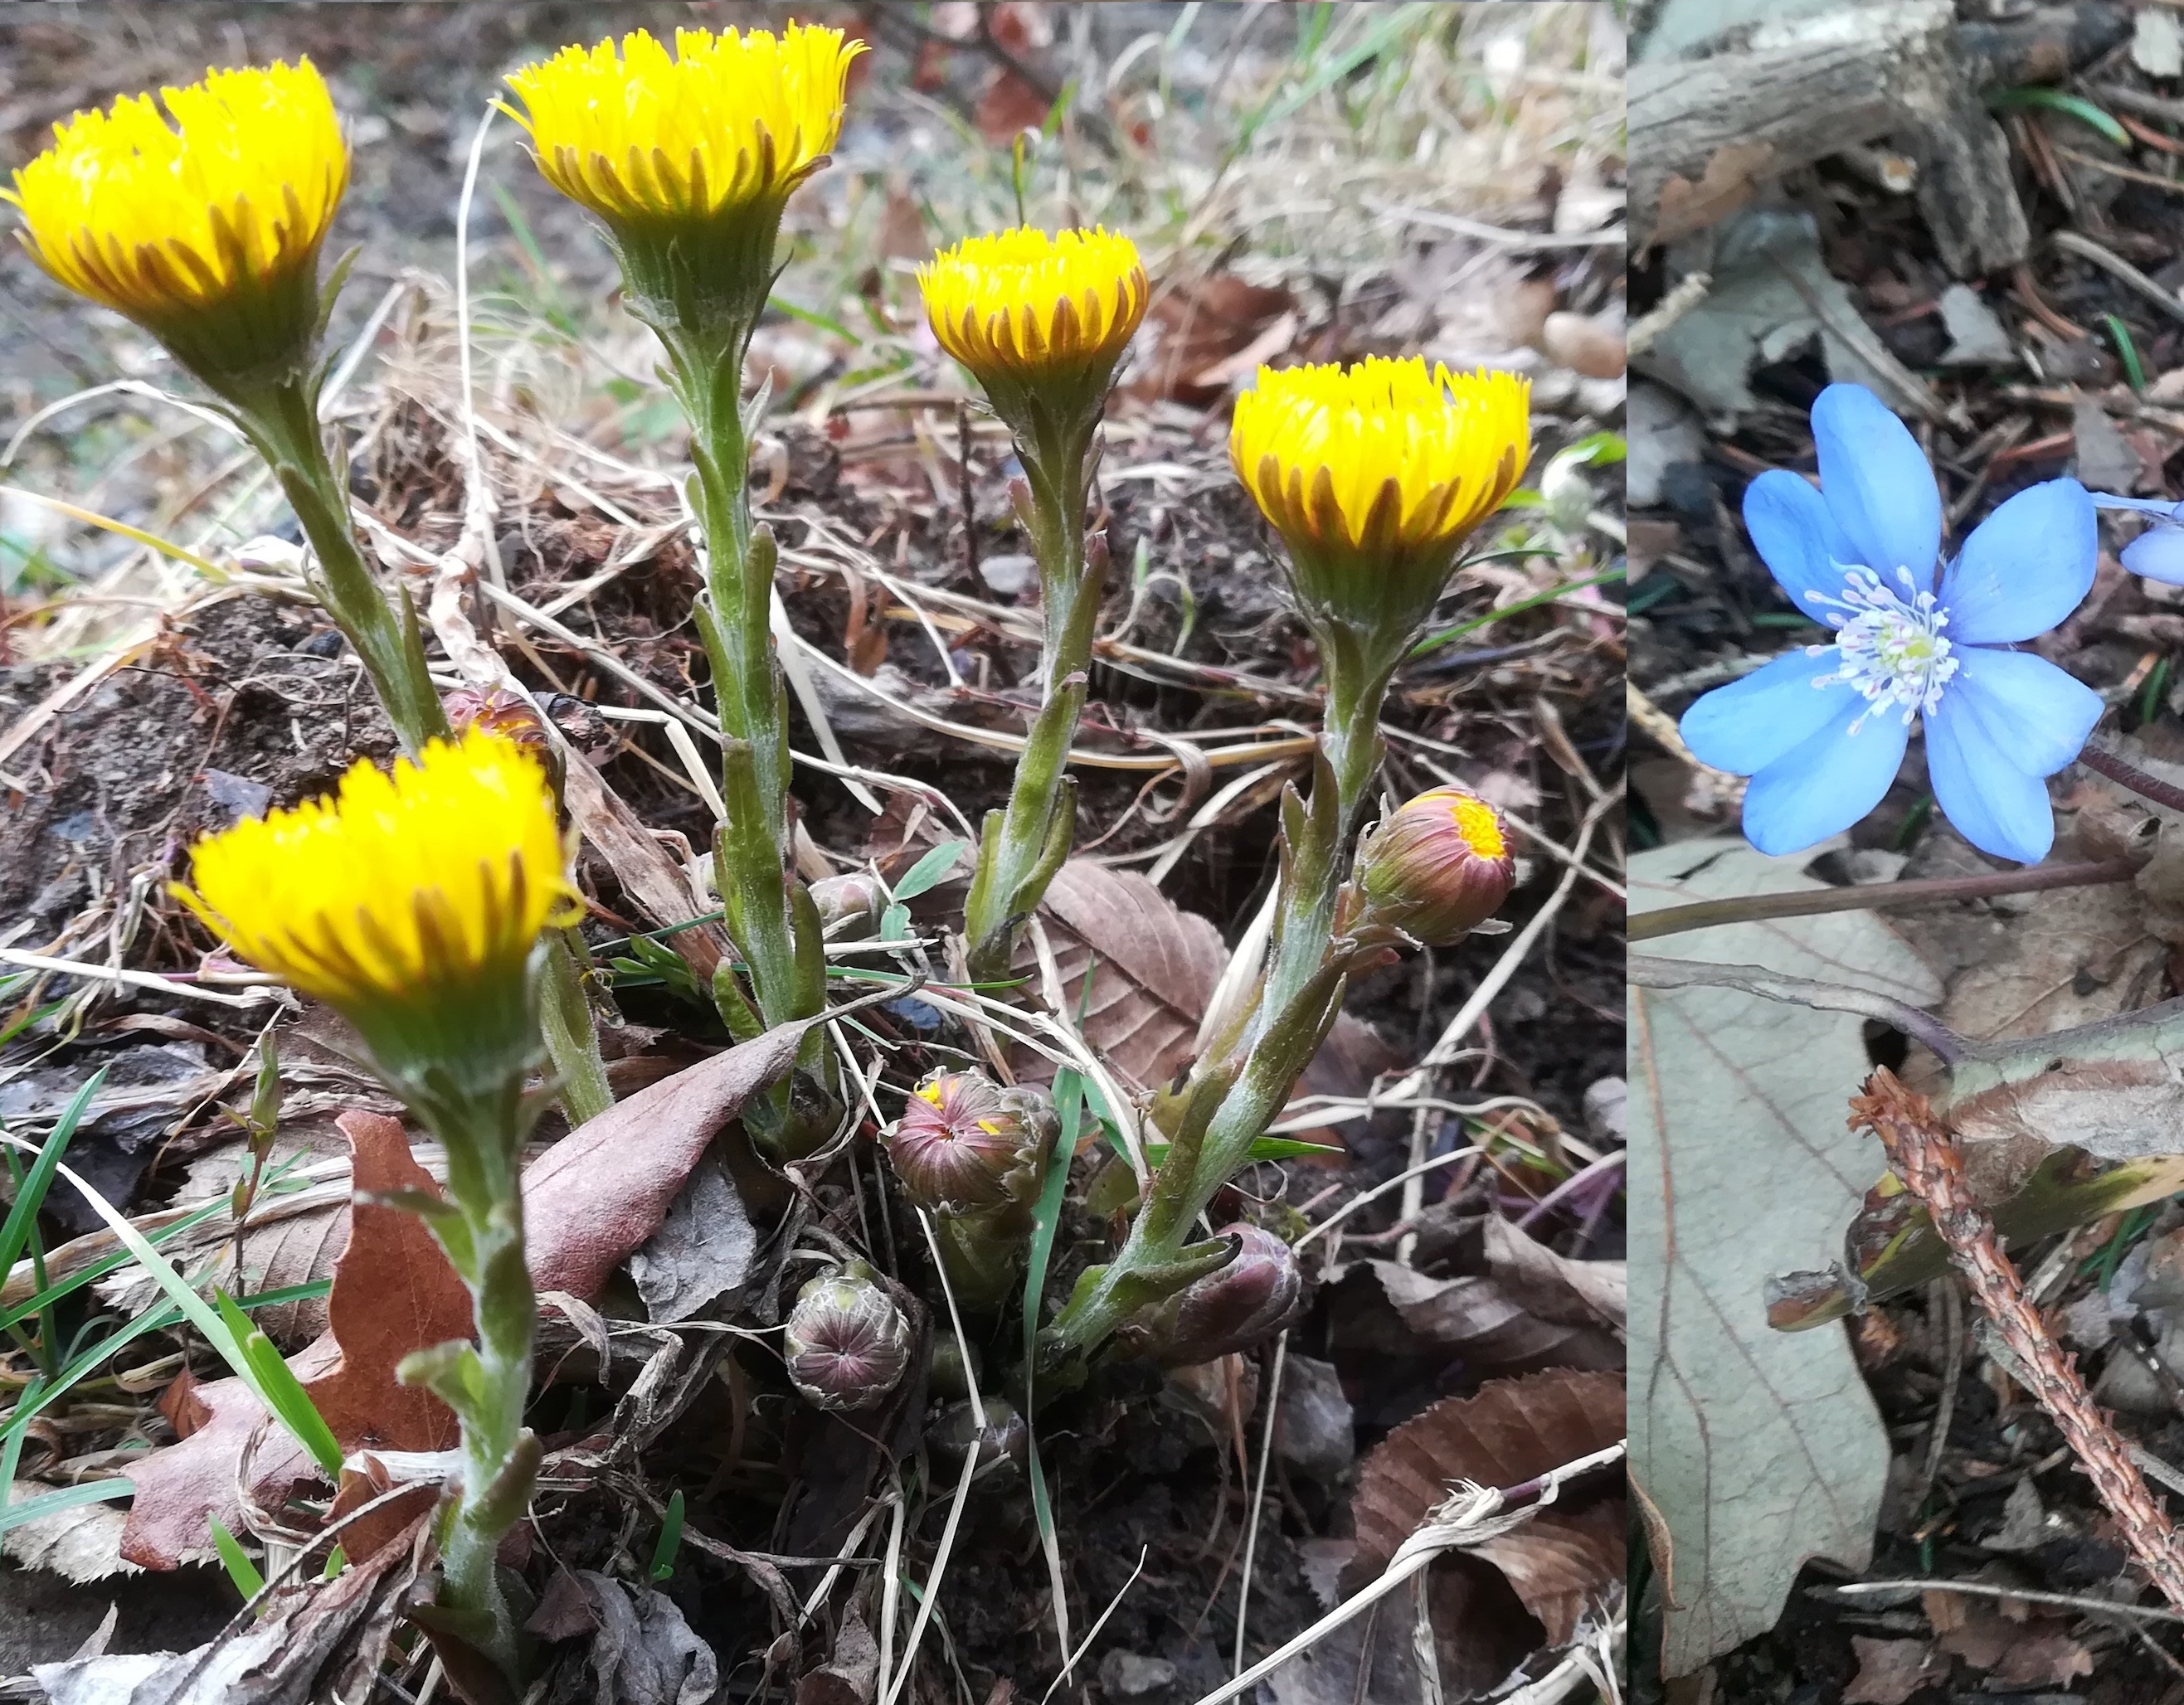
1890	642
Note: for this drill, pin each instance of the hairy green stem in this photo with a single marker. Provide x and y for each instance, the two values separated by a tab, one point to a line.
1023	846
767	912
282	423
1241	1082
481	1227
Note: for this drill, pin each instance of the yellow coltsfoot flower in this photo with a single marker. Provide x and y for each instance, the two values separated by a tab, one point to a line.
1024	309
1374	475
203	223
409	901
704	144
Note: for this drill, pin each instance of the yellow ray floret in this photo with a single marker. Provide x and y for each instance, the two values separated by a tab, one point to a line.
637	135
401	886
157	219
1022	303
1385	455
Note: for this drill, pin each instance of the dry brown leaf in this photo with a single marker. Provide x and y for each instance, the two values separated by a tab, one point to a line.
1889	1671
1473	1316
393	1292
83	1544
1513	1430
1153	969
322	1640
2020	1651
1196	327
1570	1293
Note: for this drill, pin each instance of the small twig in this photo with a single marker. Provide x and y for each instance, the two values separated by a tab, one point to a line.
1981	1589
1925	1156
1645	970
1708	914
2124	774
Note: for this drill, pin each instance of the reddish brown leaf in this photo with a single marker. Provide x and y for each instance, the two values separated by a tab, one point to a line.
1474	1316
589	1201
1153	969
1200	326
1513	1430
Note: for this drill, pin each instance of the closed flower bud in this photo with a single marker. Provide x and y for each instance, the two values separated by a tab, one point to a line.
998	1434
849	906
1259	1292
964	1143
1437	868
499	712
847	1343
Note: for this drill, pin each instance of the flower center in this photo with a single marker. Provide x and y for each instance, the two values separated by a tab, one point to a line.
1889	643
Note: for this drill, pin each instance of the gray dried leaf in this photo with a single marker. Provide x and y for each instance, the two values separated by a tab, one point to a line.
1758	1449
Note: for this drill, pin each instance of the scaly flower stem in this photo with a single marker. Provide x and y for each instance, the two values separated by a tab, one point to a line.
481	1231
1225	1107
1243	1081
1357	675
769	915
1023	846
283	427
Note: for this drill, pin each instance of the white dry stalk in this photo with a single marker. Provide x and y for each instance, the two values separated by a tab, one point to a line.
477	496
1470	1516
931	1595
1272	1400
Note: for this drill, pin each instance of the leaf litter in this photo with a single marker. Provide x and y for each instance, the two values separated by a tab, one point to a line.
668	1247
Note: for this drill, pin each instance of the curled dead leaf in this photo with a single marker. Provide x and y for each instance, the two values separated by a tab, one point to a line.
1513	1430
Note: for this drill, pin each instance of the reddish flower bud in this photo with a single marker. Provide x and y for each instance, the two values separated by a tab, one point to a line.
847	1342
499	712
964	1143
1437	868
1260	1291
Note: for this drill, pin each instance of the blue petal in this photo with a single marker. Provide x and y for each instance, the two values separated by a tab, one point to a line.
1745	726
2158	553
1876	480
2033	711
1826	784
1797	537
2025	568
1997	806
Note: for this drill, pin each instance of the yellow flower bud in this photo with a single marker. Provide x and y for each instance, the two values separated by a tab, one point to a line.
202	224
1438	868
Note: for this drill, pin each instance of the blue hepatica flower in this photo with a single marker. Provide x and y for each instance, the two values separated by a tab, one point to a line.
2157	553
1822	732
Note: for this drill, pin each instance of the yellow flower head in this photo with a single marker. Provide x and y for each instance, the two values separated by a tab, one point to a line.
1382	458
222	209
729	120
404	889
1019	306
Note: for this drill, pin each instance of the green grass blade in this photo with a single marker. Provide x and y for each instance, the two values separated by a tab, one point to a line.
15	1230
67	1498
240	1568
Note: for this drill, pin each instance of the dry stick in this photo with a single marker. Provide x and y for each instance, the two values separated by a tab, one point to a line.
2128	775
1674	919
1925	1156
